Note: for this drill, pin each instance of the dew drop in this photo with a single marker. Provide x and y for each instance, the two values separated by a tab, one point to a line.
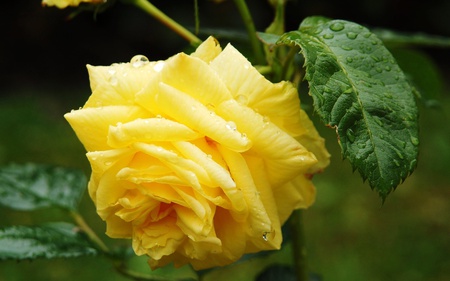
111	71
379	70
113	80
412	164
231	125
337	26
346	48
352	35
387	67
139	61
264	236
414	141
242	99
350	135
349	59
328	36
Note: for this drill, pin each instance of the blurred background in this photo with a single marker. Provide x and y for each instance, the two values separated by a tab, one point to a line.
351	235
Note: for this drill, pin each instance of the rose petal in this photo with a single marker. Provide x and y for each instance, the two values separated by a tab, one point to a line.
283	155
278	101
117	84
208	50
148	130
188	111
194	77
299	193
92	124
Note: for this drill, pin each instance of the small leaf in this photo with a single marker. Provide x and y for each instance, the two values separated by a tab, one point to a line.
359	90
32	186
56	240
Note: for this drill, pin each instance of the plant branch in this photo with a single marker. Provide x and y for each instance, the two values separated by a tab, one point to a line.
89	232
149	8
251	30
299	246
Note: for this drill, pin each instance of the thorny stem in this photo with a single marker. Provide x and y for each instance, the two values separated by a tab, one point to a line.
89	232
149	8
251	30
299	246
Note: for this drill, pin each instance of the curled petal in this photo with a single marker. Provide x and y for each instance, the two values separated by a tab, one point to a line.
92	124
149	130
284	156
195	115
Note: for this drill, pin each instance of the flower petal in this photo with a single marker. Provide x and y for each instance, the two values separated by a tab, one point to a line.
92	124
194	77
283	155
148	130
208	50
117	84
195	115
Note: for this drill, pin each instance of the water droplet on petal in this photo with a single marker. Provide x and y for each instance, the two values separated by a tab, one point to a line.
139	61
113	80
231	125
264	236
242	99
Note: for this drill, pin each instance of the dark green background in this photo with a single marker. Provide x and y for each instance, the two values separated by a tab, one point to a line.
350	234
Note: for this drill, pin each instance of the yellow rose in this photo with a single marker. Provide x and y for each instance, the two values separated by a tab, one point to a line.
64	3
198	159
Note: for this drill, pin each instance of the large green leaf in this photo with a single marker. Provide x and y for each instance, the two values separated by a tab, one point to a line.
33	186
359	90
56	240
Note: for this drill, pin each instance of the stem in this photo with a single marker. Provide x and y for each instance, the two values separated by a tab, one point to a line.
89	232
149	8
299	246
251	30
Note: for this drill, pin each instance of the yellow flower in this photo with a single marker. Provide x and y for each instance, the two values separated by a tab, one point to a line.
198	159
64	3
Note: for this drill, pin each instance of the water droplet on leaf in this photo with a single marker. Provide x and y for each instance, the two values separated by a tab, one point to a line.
328	36
337	26
350	135
352	35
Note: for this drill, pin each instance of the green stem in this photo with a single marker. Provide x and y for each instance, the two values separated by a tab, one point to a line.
251	30
89	232
149	8
299	246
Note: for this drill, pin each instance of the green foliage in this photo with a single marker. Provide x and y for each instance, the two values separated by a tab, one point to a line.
33	186
359	89
56	240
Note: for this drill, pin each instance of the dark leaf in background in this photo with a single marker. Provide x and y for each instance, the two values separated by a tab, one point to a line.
32	186
55	240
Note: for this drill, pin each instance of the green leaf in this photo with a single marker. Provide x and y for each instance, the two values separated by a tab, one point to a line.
359	90
32	186
56	240
390	37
